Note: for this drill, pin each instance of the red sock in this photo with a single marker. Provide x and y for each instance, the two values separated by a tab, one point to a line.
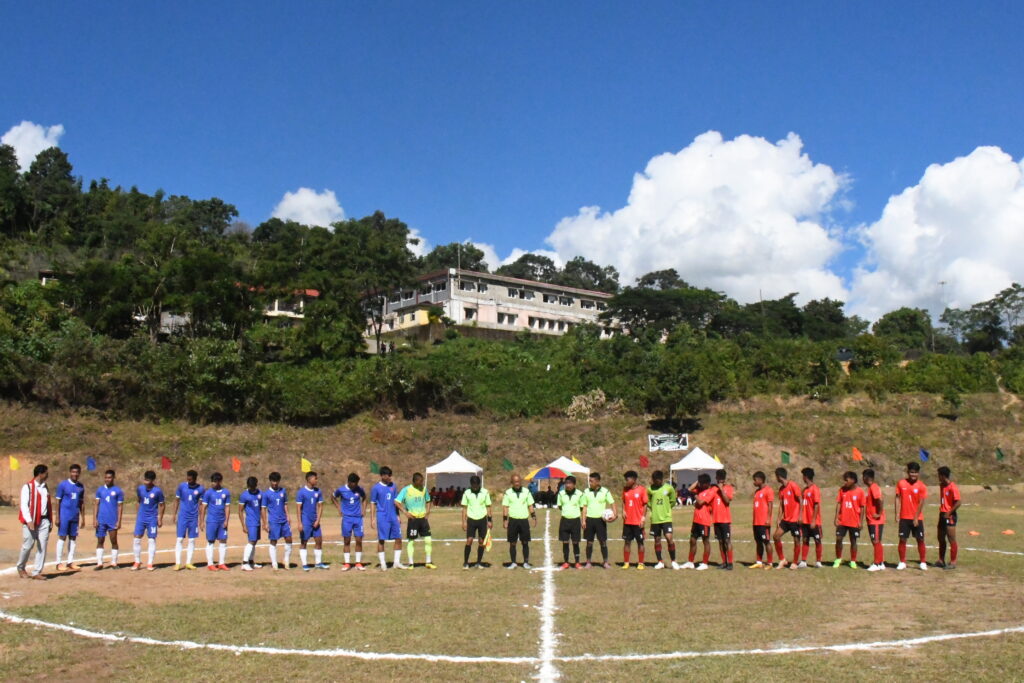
952	551
817	551
778	550
807	549
625	556
921	550
903	551
640	555
707	555
758	555
768	550
730	555
853	554
879	554
693	554
725	558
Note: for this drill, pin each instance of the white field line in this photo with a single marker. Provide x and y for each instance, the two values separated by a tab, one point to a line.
546	655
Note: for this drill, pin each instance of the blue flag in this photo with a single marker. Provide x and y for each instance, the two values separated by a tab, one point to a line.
925	455
90	463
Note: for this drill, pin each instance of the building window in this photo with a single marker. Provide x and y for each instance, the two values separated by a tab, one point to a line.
514	293
441	286
602	306
395	298
481	287
561	326
426	289
528	295
467	286
408	295
507	319
550	299
566	300
470	313
586	305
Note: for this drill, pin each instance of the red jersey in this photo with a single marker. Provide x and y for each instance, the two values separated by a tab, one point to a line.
948	496
789	499
812	496
875	513
704	514
911	499
634	501
850	504
762	499
721	512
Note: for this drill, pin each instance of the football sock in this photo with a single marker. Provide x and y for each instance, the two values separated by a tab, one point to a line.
398	557
347	557
818	550
921	550
151	550
672	550
303	556
190	551
657	550
60	549
953	548
359	557
287	552
99	556
526	551
273	555
806	551
576	552
318	555
465	555
428	546
223	549
512	549
382	559
71	551
113	555
604	551
693	554
725	558
209	553
640	555
565	552
902	550
730	555
247	553
137	549
778	549
479	553
411	551
177	551
879	554
625	556
707	554
853	554
590	551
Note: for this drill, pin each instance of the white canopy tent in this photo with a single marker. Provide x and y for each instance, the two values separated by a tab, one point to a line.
454	470
693	464
567	465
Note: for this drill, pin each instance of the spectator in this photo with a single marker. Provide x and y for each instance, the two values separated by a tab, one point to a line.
35	514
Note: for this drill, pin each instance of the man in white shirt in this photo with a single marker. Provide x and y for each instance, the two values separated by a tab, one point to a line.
34	515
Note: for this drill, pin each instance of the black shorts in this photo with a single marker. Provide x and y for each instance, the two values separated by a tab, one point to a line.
907	529
661	529
875	532
633	532
417	527
809	532
842	531
476	528
790	528
518	530
723	531
569	530
944	523
596	527
761	533
700	531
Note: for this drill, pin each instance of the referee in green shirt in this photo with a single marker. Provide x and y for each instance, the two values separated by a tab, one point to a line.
517	514
476	520
570	502
596	499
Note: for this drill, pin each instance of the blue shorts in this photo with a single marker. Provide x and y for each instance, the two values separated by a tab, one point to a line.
147	526
352	526
254	532
188	528
68	527
389	529
280	530
215	531
309	532
102	529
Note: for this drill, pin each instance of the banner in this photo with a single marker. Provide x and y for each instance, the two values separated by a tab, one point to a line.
667	442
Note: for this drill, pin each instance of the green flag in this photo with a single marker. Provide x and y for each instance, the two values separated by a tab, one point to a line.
507	465
999	454
785	457
374	468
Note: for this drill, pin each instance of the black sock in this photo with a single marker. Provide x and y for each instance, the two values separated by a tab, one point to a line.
526	551
604	551
565	552
576	552
479	553
657	551
672	551
465	555
590	551
512	552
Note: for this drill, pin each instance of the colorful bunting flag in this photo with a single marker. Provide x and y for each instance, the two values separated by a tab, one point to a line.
576	460
507	465
645	461
999	454
374	468
165	462
857	456
925	455
236	465
90	463
307	466
13	462
785	457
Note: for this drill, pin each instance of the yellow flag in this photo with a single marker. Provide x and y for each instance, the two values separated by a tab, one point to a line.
15	465
576	460
307	466
717	460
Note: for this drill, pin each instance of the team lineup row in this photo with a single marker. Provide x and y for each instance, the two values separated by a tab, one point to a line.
585	515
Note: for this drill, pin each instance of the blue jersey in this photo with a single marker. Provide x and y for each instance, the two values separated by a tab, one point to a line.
383	496
309	498
149	502
188	500
217	502
275	500
70	495
111	499
351	500
252	503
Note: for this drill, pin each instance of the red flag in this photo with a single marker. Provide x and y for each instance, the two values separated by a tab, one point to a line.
236	465
645	461
165	462
856	454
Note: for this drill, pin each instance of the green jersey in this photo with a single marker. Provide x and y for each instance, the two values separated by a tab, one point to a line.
661	501
518	504
415	500
597	501
476	504
570	504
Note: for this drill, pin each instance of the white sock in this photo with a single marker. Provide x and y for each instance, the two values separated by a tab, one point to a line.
247	553
359	557
380	558
60	549
398	557
99	556
273	555
209	553
223	548
190	551
177	552
71	551
151	550
302	556
287	553
318	555
113	555
347	556
137	549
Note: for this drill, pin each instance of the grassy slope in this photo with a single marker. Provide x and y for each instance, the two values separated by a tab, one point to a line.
746	435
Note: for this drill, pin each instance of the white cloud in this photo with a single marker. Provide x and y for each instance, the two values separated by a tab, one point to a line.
422	247
742	216
962	224
29	139
490	254
517	252
309	207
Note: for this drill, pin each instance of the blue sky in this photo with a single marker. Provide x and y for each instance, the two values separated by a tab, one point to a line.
474	120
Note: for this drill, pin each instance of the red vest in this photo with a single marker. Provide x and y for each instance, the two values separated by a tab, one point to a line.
35	505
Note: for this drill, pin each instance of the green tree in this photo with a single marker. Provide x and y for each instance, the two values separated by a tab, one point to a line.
584	274
52	193
824	319
451	255
661	279
534	267
11	201
908	328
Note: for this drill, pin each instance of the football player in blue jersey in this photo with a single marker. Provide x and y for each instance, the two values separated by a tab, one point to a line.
351	502
106	518
149	519
275	519
309	505
70	515
213	518
382	499
249	510
187	499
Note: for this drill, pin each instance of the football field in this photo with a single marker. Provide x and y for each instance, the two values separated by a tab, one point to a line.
513	625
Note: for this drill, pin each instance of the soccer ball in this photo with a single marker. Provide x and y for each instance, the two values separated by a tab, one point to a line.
608	515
